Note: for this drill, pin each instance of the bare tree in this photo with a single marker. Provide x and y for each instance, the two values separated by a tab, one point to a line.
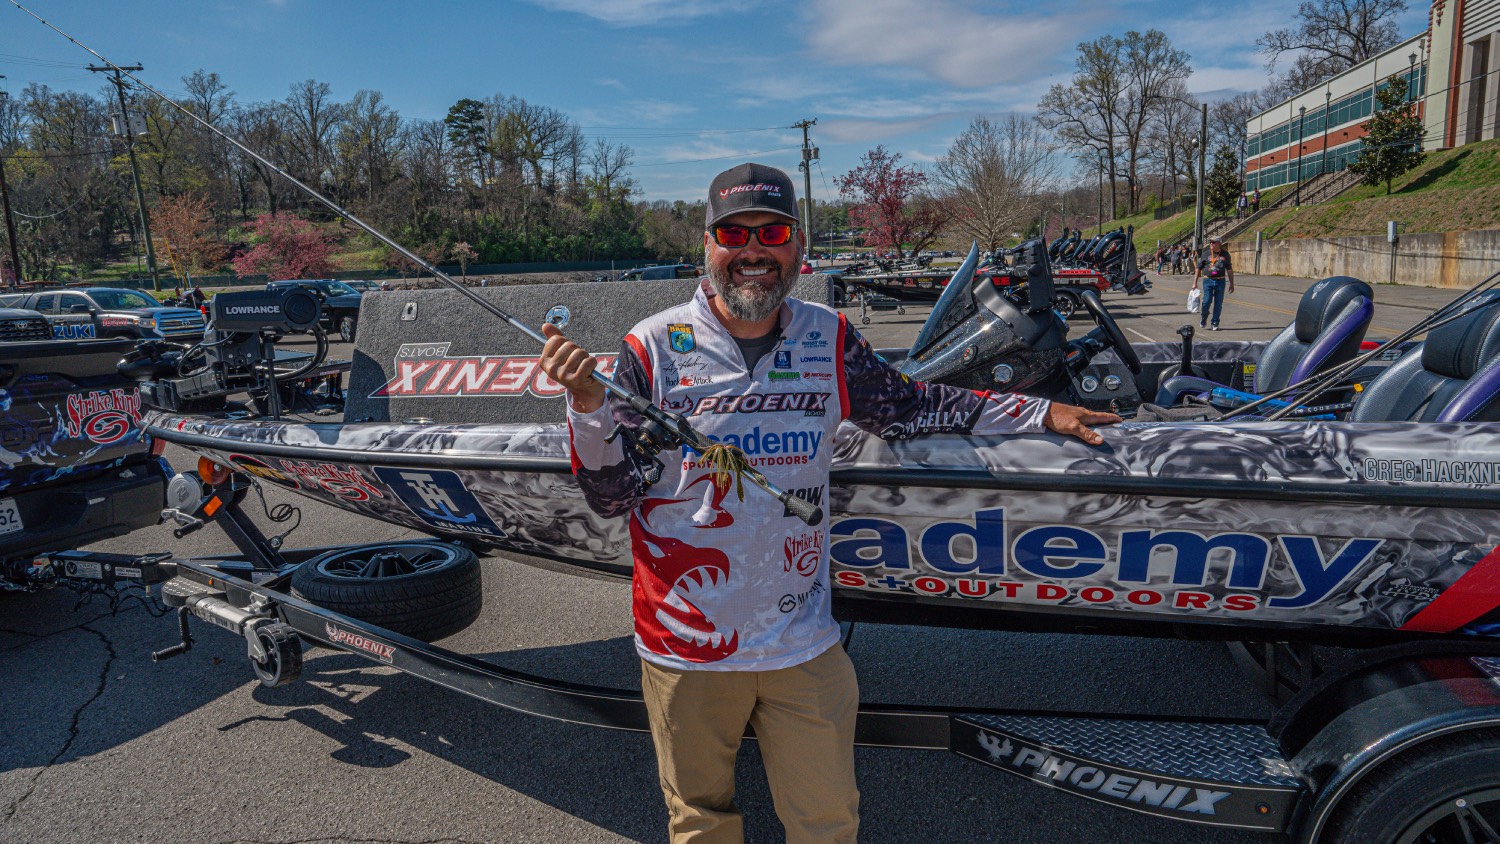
993	174
1085	113
1331	36
309	118
1155	71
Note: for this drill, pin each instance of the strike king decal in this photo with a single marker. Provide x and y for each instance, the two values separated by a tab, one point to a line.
381	651
1209	802
439	498
345	482
425	370
1173	571
104	417
258	469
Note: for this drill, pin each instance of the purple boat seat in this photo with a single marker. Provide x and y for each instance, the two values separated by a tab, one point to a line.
1330	324
1452	376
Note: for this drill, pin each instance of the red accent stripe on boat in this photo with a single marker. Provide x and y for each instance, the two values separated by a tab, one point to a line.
640	353
1472	595
839	362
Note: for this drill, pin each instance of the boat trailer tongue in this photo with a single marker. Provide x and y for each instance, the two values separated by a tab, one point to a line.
1289	774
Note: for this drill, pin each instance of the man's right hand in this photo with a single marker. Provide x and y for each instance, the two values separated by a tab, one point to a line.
569	365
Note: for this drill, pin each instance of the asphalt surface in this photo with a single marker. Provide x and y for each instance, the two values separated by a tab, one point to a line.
102	745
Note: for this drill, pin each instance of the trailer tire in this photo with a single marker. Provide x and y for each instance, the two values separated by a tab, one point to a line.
1417	793
431	592
1066	303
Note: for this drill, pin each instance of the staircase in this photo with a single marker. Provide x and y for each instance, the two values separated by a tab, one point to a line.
1319	188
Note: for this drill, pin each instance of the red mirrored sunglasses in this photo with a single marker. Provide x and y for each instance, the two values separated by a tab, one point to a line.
771	234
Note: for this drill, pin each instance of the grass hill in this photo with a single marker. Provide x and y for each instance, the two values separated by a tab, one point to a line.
1452	190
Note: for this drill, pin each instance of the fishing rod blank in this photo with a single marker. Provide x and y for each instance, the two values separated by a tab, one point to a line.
662	424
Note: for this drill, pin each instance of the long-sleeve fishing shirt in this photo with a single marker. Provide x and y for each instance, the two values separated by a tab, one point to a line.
728	583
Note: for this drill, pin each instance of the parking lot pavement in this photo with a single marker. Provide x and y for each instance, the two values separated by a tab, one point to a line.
101	745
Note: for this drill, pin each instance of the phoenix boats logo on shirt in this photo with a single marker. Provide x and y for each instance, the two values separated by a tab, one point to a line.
680	335
425	370
811	404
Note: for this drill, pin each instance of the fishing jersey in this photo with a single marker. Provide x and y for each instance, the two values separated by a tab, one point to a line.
730	583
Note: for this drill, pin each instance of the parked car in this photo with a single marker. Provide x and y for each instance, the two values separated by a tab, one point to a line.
340	303
97	312
661	272
17	325
364	285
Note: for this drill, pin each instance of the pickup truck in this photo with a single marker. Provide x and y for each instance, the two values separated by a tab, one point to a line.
87	313
75	466
340	303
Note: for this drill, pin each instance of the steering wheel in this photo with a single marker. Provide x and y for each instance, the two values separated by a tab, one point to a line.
1111	331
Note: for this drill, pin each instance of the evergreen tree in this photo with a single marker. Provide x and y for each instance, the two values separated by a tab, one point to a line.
1393	143
1222	186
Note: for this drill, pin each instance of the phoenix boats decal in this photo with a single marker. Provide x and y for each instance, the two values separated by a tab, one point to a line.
379	650
104	417
482	375
1065	553
1431	471
439	498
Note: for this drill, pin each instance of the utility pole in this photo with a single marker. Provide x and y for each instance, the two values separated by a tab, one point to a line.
809	155
135	170
1202	157
10	223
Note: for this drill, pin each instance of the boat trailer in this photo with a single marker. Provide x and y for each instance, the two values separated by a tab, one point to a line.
1381	720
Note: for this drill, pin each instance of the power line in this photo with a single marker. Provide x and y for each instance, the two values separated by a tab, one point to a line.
716	158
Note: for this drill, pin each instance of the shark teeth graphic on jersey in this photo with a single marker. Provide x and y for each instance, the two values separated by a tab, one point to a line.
680	615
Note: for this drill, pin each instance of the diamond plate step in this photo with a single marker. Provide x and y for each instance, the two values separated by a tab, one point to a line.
1204	772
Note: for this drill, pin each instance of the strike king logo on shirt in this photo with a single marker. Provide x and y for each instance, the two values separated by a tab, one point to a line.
442	376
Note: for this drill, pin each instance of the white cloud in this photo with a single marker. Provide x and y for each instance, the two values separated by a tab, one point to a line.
943	39
630	12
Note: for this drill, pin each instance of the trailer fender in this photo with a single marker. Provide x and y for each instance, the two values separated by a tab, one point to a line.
1379	711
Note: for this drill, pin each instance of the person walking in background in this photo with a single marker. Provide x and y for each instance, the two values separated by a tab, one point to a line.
1255	201
1215	271
1240	207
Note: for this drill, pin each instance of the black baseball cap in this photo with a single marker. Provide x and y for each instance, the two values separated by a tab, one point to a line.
751	187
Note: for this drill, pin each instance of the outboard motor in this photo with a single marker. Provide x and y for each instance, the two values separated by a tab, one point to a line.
979	339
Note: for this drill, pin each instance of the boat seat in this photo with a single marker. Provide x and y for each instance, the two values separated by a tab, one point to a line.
1452	376
1330	324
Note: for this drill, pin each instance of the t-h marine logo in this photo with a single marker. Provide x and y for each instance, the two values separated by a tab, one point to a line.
379	650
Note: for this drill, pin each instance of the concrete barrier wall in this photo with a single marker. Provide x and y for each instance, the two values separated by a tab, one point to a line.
1440	259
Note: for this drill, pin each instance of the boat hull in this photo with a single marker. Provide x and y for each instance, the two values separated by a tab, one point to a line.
1335	532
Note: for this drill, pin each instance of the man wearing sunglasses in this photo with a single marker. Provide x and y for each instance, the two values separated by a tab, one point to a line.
730	594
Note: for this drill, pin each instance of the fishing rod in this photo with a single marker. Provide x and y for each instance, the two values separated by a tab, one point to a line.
661	429
1319	383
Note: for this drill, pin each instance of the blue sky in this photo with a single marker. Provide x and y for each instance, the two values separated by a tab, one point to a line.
677	80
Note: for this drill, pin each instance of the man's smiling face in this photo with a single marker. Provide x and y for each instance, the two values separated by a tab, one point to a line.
753	280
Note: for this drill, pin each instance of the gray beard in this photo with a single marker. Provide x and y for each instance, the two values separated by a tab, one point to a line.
751	306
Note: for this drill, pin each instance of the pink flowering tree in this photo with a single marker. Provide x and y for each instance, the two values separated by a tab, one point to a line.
283	246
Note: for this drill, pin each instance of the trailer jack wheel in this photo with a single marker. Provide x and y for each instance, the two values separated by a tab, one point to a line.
283	655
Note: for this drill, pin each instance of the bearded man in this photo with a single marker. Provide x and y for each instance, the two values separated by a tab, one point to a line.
720	646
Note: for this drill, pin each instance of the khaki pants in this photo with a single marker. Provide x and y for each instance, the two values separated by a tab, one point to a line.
804	720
